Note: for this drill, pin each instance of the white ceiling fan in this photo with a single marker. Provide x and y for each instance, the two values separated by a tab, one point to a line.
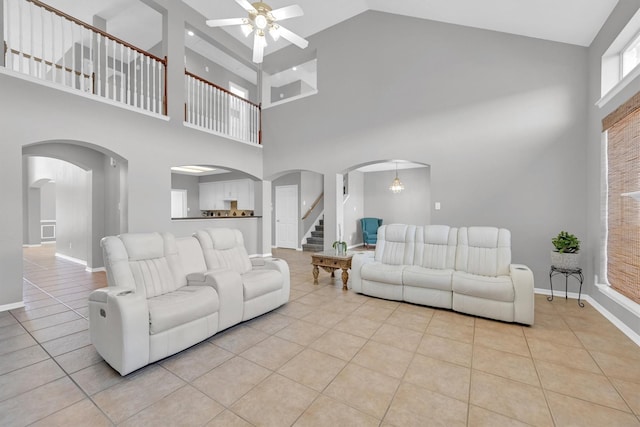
262	19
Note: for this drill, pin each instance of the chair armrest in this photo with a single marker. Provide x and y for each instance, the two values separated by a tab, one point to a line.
228	285
524	300
119	327
358	260
281	266
257	262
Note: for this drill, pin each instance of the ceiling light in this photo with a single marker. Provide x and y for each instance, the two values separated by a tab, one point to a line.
273	31
246	28
295	68
261	21
192	169
396	186
191	33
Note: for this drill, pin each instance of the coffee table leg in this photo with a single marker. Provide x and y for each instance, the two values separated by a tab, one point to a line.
345	279
316	271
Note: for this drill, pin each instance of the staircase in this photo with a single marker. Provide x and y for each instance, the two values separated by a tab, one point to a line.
315	243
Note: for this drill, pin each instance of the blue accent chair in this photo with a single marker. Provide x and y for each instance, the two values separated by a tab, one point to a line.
370	230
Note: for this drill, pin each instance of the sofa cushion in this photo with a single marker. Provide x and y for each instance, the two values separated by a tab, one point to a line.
396	244
493	288
153	275
259	282
429	278
143	245
181	306
436	246
385	273
224	248
484	251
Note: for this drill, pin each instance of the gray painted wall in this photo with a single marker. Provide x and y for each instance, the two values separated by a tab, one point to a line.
411	206
191	184
500	118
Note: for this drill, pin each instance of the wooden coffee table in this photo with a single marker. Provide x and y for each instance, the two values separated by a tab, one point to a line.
330	262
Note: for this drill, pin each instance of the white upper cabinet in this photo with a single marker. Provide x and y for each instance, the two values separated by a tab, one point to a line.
218	195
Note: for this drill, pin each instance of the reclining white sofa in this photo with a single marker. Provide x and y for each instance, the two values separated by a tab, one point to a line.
467	269
166	294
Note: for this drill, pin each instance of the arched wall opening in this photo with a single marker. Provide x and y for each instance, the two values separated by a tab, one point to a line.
361	190
90	197
297	208
364	192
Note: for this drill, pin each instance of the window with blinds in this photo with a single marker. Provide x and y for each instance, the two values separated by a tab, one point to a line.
623	225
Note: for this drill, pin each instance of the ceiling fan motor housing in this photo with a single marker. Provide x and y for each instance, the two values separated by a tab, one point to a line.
261	18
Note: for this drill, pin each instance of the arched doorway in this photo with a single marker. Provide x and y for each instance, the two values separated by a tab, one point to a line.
89	197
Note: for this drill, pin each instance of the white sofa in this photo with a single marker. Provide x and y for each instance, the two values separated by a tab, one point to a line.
163	297
467	269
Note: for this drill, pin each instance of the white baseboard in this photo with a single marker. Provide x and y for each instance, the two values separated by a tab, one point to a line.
72	259
633	336
32	246
95	270
12	306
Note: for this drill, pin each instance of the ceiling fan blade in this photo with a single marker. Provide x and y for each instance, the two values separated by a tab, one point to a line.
293	37
246	5
287	12
225	22
258	48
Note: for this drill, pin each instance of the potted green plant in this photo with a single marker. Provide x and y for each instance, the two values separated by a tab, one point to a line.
340	247
565	255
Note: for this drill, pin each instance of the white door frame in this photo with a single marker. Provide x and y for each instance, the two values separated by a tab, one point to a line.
292	212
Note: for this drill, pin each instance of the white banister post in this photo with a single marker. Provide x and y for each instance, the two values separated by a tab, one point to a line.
99	64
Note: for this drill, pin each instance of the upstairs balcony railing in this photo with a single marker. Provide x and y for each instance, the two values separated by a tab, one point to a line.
50	45
214	108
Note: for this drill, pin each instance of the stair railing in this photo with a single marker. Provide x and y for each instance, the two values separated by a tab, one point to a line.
313	206
51	45
215	108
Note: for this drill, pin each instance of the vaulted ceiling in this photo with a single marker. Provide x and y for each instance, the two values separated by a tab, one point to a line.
568	21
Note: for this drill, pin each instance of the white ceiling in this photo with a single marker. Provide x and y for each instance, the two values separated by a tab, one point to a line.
568	21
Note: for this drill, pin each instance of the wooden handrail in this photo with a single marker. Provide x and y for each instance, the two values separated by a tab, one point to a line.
49	63
96	30
205	81
313	206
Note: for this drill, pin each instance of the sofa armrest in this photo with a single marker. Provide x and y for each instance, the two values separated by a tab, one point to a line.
523	304
257	262
278	265
358	260
119	327
228	285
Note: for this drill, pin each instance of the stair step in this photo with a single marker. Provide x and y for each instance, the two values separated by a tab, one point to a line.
315	240
319	227
317	233
312	248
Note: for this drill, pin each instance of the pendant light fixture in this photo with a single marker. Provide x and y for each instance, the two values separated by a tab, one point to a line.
396	186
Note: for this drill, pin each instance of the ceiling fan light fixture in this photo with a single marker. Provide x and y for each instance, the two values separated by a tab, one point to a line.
246	28
274	32
261	21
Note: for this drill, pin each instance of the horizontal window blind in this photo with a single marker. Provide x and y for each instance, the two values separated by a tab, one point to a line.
623	162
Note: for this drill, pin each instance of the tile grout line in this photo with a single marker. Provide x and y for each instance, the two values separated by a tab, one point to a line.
54	298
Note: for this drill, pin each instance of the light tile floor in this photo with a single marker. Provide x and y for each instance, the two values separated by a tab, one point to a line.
327	358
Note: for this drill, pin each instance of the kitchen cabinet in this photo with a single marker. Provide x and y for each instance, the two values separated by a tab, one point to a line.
218	195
